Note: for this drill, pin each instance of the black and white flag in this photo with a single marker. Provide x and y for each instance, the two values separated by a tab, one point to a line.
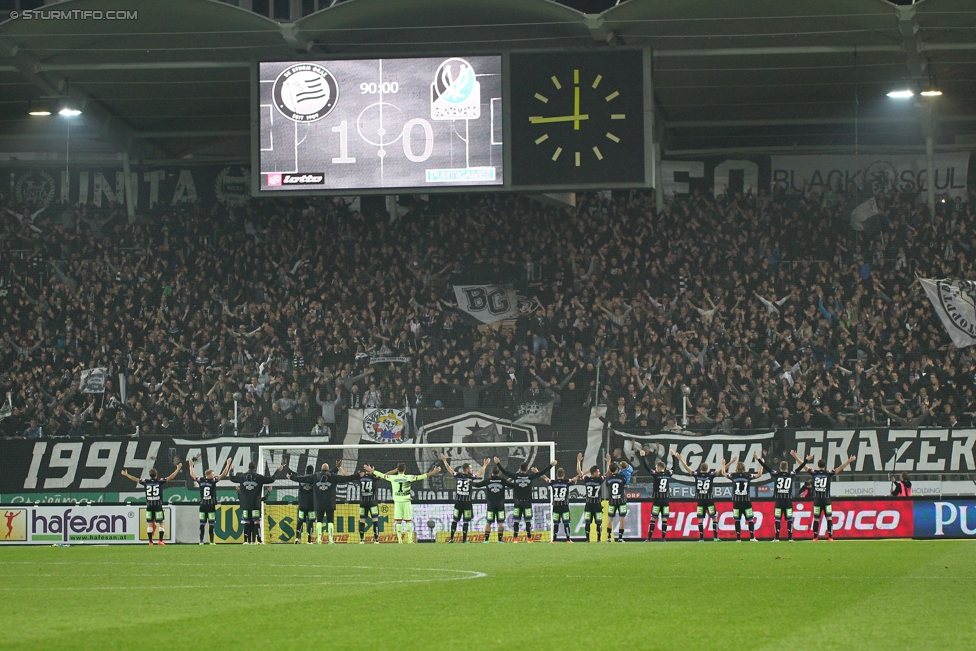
864	217
534	413
93	380
955	303
487	303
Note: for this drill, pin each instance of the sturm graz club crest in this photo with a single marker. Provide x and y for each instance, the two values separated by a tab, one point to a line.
305	92
477	427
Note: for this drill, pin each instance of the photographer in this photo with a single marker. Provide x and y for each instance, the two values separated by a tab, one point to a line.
901	487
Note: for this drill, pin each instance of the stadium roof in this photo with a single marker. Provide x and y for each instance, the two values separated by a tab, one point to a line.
728	75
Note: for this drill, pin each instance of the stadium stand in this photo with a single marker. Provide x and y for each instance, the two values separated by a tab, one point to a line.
770	309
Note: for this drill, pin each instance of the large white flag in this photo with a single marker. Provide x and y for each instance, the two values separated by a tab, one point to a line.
487	303
955	303
864	212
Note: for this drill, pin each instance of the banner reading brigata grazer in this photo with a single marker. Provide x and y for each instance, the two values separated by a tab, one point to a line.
852	519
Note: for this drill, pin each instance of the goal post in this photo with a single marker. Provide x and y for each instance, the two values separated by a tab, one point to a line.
432	497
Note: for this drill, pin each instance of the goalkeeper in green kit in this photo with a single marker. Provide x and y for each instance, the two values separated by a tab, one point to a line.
402	506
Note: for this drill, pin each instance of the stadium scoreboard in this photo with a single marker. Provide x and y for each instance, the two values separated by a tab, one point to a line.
520	121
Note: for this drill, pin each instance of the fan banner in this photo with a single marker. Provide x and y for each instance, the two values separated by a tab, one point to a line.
877	174
955	303
487	303
384	425
93	380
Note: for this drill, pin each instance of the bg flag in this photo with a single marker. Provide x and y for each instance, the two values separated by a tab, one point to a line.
955	303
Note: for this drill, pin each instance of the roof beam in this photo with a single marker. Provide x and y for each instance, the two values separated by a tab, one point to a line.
765	51
154	65
696	124
809	149
599	30
910	41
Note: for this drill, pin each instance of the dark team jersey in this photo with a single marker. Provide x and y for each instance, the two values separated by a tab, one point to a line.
740	486
660	481
324	485
782	480
208	492
494	491
594	496
703	484
305	499
522	491
462	491
154	491
251	485
821	483
617	489
560	493
367	489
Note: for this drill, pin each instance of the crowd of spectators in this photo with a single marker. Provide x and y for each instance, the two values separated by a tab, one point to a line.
763	310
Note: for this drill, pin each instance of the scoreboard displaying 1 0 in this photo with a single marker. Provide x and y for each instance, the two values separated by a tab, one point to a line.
528	120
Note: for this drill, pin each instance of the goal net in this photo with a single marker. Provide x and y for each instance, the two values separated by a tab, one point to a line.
433	498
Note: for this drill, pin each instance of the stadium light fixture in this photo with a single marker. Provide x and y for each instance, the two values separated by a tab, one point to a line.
39	113
901	94
69	112
931	93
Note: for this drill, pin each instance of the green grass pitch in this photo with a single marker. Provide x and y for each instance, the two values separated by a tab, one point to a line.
841	595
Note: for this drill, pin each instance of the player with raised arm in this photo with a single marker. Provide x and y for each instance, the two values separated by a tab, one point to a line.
369	508
616	482
324	485
155	516
703	492
251	491
522	496
560	503
494	500
821	495
783	491
306	506
208	497
660	497
741	500
463	509
402	506
593	508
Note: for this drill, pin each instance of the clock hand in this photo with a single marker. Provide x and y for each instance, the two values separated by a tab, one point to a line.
561	118
576	105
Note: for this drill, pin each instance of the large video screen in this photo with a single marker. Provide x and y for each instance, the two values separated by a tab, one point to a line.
380	123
